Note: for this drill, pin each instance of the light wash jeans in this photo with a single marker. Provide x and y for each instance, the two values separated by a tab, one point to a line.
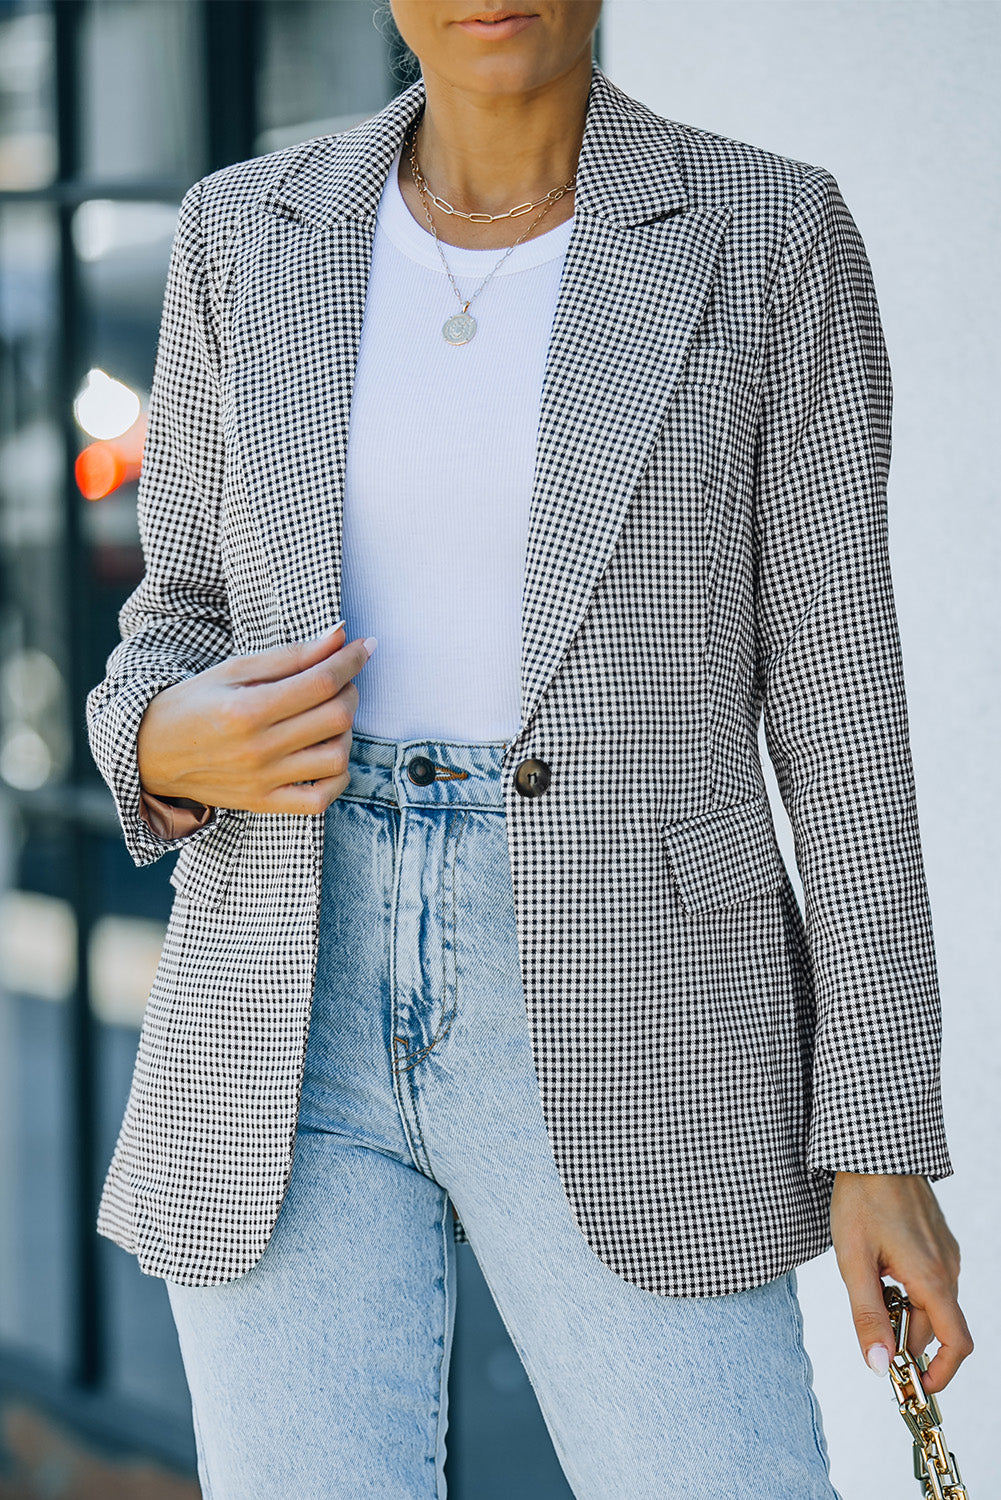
321	1374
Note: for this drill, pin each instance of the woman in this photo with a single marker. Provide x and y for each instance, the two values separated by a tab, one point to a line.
491	913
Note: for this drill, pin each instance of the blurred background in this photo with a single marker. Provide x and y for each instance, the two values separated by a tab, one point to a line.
109	110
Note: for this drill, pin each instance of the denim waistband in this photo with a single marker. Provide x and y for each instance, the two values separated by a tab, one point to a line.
426	773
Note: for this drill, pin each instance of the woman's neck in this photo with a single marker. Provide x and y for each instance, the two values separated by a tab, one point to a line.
486	153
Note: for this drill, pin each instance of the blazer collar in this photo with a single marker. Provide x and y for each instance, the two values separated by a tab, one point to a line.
627	173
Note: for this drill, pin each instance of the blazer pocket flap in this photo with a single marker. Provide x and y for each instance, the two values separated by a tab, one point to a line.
204	869
717	364
724	857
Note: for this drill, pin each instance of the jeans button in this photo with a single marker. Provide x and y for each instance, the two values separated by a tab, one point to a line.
532	778
421	771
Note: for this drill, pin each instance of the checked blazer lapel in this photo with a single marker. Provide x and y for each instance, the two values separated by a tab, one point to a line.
638	271
629	303
319	225
292	398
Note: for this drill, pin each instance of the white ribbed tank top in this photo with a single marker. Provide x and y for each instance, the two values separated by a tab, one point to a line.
440	464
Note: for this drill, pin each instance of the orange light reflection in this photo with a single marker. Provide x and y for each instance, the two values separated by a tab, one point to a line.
103	466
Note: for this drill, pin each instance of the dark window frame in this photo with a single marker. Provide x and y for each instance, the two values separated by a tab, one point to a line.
80	806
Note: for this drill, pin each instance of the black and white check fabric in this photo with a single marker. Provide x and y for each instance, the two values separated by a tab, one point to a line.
707	541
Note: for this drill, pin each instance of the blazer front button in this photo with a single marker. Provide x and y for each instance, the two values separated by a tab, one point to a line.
532	778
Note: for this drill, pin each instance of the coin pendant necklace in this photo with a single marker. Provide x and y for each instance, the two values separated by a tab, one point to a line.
460	328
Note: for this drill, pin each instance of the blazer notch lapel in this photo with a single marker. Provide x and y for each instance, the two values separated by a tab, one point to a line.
630	302
291	394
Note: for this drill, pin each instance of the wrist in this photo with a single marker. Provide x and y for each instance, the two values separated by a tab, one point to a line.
151	735
876	1182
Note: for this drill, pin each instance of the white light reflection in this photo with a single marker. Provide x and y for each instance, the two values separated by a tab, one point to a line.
25	759
105	408
103	227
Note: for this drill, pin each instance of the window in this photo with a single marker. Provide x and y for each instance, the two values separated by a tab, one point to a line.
109	110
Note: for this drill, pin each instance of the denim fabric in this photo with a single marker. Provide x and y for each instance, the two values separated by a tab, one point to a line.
321	1374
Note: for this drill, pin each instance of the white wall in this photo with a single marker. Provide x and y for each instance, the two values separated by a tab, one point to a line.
898	98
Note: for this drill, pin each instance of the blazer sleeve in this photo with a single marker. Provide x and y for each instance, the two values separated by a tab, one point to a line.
831	678
176	622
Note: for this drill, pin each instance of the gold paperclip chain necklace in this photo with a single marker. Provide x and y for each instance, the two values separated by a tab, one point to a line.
934	1465
461	326
553	195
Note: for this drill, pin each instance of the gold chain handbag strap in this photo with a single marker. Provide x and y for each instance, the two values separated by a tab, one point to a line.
934	1465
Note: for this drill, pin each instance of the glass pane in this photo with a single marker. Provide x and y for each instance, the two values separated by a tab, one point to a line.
27	113
141	71
143	1360
34	712
37	924
37	965
323	68
123	251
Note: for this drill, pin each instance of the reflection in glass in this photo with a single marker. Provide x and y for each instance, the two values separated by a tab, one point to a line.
37	944
27	119
29	249
124	253
34	744
141	89
103	227
105	407
123	955
37	972
34	709
323	68
102	467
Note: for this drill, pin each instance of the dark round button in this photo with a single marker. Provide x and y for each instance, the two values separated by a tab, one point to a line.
532	778
421	771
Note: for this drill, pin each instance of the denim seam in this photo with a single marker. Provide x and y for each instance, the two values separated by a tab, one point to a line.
464	806
406	1106
372	801
805	1363
445	1025
413	1126
439	1437
205	1484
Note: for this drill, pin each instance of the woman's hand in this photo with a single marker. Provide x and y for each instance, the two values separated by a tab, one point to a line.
255	731
892	1225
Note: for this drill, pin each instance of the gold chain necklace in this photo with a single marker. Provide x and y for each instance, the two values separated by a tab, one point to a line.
554	195
460	328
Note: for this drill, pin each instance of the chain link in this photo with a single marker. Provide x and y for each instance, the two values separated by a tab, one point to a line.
551	199
553	196
934	1465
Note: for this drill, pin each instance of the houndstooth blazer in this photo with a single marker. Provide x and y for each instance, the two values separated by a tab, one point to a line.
707	542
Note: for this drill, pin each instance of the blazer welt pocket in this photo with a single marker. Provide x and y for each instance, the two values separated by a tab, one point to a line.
719	364
722	858
204	869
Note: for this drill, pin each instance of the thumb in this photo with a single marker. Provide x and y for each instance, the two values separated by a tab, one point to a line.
872	1321
279	662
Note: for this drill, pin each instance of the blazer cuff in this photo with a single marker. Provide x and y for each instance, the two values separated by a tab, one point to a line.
172	817
115	711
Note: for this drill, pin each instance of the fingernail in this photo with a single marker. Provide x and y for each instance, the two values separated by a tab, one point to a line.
333	629
878	1359
370	643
